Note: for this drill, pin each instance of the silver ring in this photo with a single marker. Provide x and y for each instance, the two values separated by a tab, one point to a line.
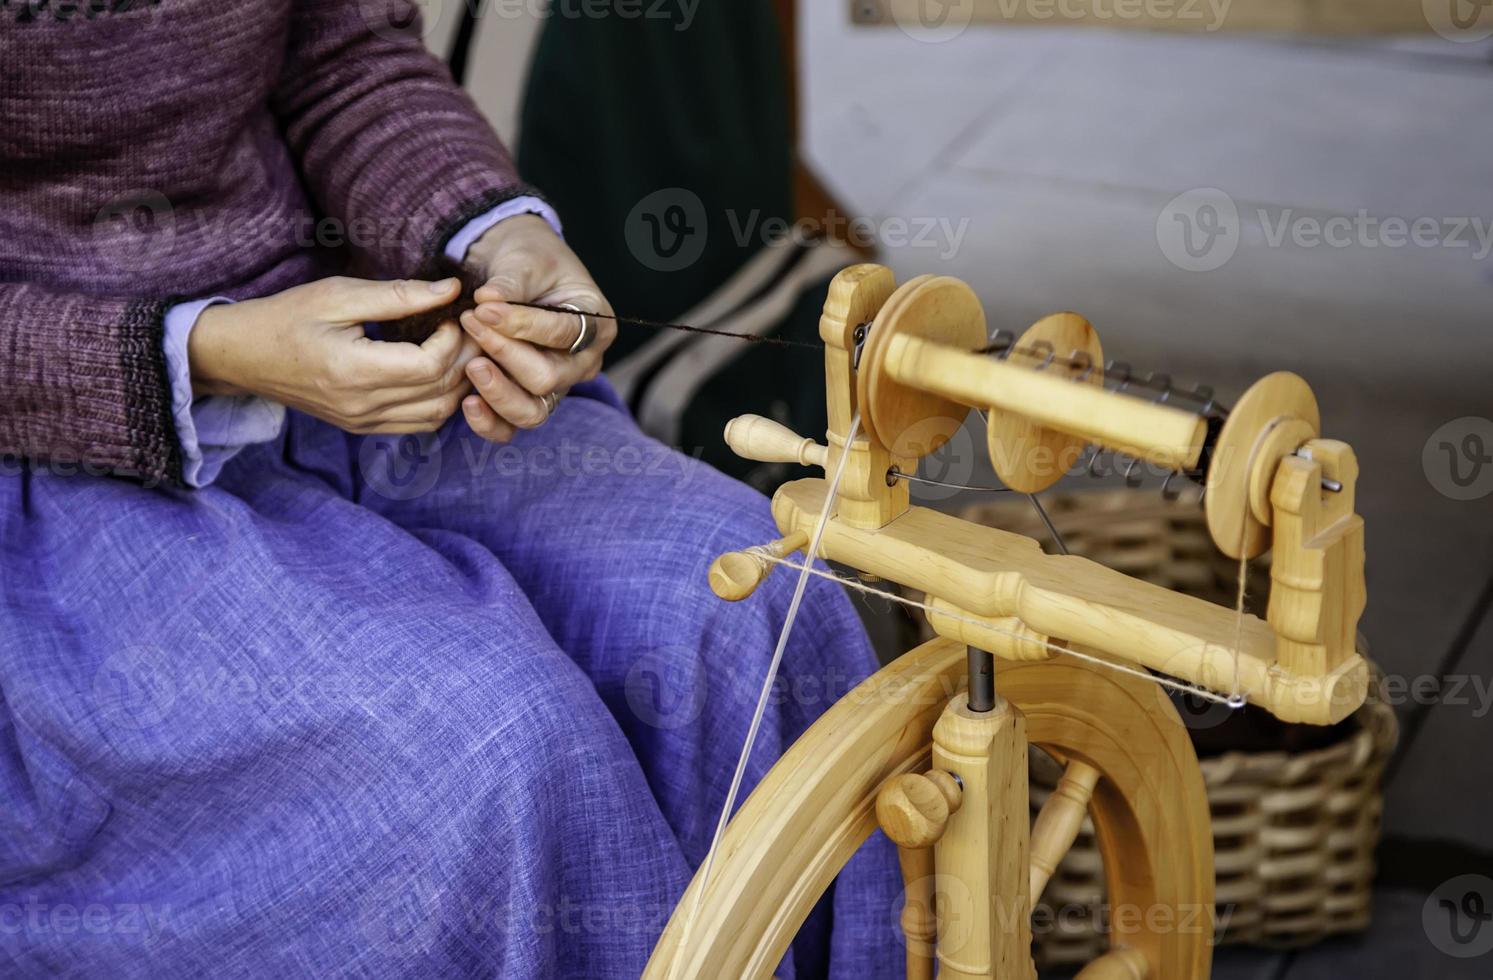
550	401
588	329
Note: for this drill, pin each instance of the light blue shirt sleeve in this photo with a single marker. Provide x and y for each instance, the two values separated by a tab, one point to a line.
214	428
456	248
211	429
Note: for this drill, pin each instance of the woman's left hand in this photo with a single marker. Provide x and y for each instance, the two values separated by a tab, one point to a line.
527	350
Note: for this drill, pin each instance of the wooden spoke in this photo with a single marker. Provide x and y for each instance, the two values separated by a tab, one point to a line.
1117	964
1057	825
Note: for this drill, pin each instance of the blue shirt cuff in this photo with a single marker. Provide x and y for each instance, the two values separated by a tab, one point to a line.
456	248
211	429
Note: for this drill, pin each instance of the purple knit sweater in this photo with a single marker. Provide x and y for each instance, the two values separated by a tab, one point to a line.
152	150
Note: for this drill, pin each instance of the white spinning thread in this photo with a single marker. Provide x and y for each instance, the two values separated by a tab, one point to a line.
805	571
1236	699
985	625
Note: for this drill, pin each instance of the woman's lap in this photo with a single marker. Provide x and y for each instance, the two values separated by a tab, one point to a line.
310	714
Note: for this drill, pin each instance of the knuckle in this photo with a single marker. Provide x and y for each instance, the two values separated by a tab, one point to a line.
357	406
333	287
338	377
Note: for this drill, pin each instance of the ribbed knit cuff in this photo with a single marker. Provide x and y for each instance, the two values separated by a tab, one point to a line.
154	450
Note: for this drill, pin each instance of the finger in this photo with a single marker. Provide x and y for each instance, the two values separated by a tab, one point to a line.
406	370
425	415
542	327
512	281
349	301
539	370
484	421
505	396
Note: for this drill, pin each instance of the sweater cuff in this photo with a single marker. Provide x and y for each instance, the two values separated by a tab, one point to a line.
212	429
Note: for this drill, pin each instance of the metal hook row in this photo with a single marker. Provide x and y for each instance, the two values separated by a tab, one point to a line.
1003	344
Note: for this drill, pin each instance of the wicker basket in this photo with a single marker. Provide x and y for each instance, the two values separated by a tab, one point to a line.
1294	827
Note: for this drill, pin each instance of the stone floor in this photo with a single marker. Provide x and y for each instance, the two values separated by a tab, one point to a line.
1059	164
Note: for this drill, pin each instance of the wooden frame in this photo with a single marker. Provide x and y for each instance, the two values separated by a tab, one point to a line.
1032	648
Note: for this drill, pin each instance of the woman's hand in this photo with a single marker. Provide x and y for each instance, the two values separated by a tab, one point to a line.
305	348
527	350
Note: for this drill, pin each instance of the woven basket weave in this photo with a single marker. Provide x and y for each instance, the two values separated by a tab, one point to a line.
1294	832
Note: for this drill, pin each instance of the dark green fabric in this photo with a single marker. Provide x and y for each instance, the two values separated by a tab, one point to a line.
633	124
688	110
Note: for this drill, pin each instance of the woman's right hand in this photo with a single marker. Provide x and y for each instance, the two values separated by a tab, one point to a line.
305	348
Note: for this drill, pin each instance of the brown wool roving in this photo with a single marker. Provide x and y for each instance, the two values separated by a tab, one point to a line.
416	328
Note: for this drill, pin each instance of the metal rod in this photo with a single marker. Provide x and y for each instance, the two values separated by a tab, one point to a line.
894	474
981	681
1051	528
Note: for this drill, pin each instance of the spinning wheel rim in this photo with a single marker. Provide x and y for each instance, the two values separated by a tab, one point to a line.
818	805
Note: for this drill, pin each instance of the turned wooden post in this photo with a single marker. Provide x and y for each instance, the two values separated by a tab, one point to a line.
913	810
987	924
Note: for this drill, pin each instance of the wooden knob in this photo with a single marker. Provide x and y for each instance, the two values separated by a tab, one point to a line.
762	439
736	574
914	809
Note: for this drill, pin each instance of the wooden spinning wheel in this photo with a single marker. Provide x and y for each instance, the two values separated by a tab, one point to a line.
1032	649
1150	813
